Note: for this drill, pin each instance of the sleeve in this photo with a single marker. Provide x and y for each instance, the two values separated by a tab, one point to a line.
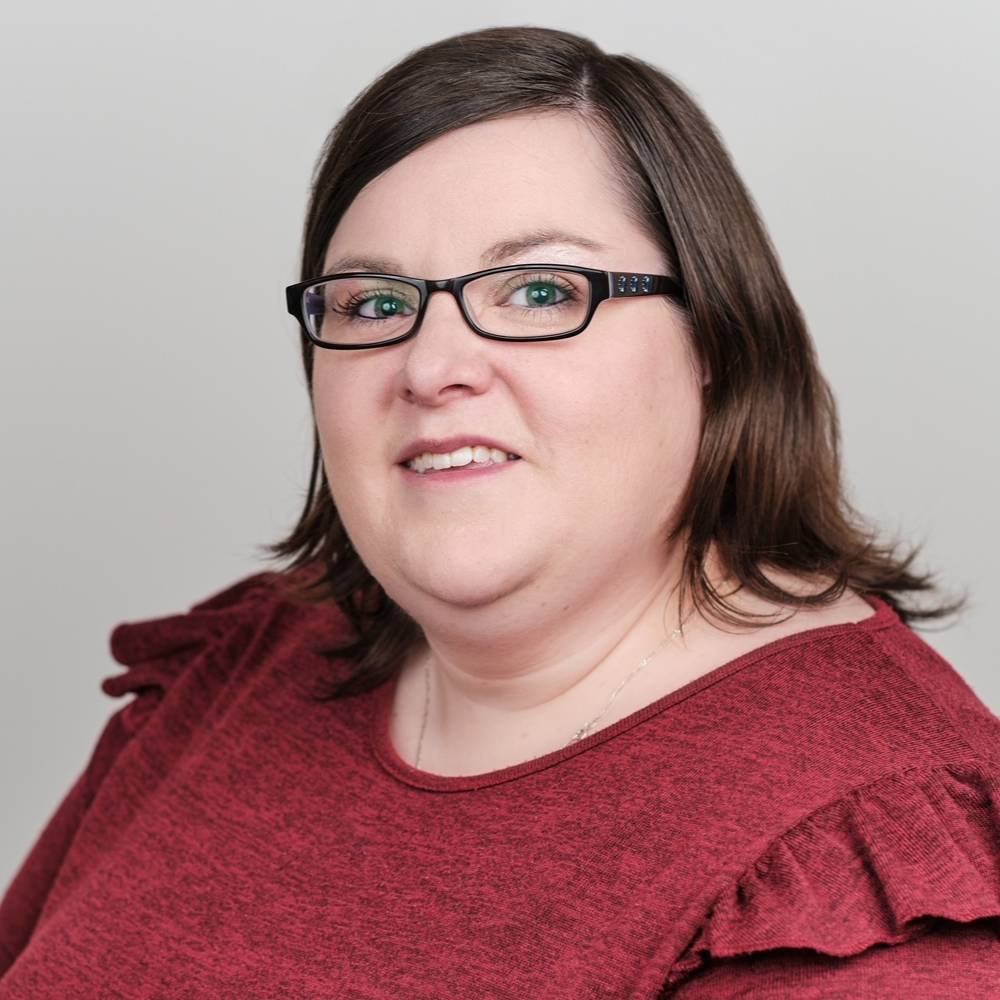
891	891
157	652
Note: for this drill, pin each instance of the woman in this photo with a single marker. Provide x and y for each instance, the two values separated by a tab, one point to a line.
581	678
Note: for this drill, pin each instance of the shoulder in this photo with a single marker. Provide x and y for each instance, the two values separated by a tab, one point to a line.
765	621
887	832
882	864
854	660
189	655
179	668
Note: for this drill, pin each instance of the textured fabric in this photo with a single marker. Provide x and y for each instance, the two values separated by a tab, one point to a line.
817	818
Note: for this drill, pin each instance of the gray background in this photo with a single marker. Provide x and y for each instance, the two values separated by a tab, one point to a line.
155	169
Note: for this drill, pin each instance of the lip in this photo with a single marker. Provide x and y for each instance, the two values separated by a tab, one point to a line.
442	445
456	474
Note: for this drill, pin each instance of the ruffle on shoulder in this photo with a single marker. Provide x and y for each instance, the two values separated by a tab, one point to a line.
876	866
157	650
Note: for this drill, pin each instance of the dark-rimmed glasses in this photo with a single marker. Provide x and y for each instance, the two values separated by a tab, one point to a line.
357	310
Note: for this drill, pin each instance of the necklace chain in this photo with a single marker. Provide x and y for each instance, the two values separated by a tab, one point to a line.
583	731
588	728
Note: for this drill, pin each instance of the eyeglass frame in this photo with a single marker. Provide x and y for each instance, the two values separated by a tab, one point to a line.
603	285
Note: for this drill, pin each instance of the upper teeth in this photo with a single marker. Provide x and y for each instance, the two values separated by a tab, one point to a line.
480	454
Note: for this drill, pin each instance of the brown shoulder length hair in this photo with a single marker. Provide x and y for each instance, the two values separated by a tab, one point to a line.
766	487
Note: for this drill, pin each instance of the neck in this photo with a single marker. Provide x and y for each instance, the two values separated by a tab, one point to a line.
527	690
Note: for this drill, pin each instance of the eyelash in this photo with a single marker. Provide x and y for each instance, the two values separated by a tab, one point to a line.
547	279
360	298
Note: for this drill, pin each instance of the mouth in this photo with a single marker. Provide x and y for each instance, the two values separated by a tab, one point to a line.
479	457
426	468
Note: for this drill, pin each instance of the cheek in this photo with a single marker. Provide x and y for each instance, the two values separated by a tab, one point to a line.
344	427
635	428
634	378
325	398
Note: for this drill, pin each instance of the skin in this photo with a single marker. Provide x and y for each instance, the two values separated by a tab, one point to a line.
541	588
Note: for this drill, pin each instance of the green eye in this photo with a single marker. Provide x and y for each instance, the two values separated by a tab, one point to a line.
381	307
539	294
374	305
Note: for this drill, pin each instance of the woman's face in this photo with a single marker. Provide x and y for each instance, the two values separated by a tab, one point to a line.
606	422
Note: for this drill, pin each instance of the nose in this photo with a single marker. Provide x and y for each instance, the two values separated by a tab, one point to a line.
445	357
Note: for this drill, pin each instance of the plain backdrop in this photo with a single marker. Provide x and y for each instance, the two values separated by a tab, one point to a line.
155	171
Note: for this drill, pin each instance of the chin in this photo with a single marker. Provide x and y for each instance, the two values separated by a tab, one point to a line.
460	583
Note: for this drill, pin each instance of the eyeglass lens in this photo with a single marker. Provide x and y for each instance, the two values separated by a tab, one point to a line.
524	303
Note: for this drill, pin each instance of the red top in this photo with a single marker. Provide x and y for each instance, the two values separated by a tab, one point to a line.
817	818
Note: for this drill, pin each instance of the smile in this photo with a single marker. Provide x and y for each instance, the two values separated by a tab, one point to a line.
456	474
478	456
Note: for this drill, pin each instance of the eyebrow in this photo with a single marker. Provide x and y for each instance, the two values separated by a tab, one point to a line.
502	250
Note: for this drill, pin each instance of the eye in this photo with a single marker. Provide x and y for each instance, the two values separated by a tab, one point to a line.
540	293
374	304
381	307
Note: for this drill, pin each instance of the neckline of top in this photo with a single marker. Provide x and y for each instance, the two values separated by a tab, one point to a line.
393	763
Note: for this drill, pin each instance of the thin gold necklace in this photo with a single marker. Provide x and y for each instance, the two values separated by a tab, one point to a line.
583	731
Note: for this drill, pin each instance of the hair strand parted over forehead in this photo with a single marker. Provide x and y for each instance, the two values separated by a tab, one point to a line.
766	489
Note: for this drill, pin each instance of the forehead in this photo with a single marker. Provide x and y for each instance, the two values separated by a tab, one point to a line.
442	205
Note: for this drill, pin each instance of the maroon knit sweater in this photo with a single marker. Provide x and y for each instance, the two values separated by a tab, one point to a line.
819	817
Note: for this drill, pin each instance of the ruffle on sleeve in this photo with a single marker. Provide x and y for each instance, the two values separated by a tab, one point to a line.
157	650
876	866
